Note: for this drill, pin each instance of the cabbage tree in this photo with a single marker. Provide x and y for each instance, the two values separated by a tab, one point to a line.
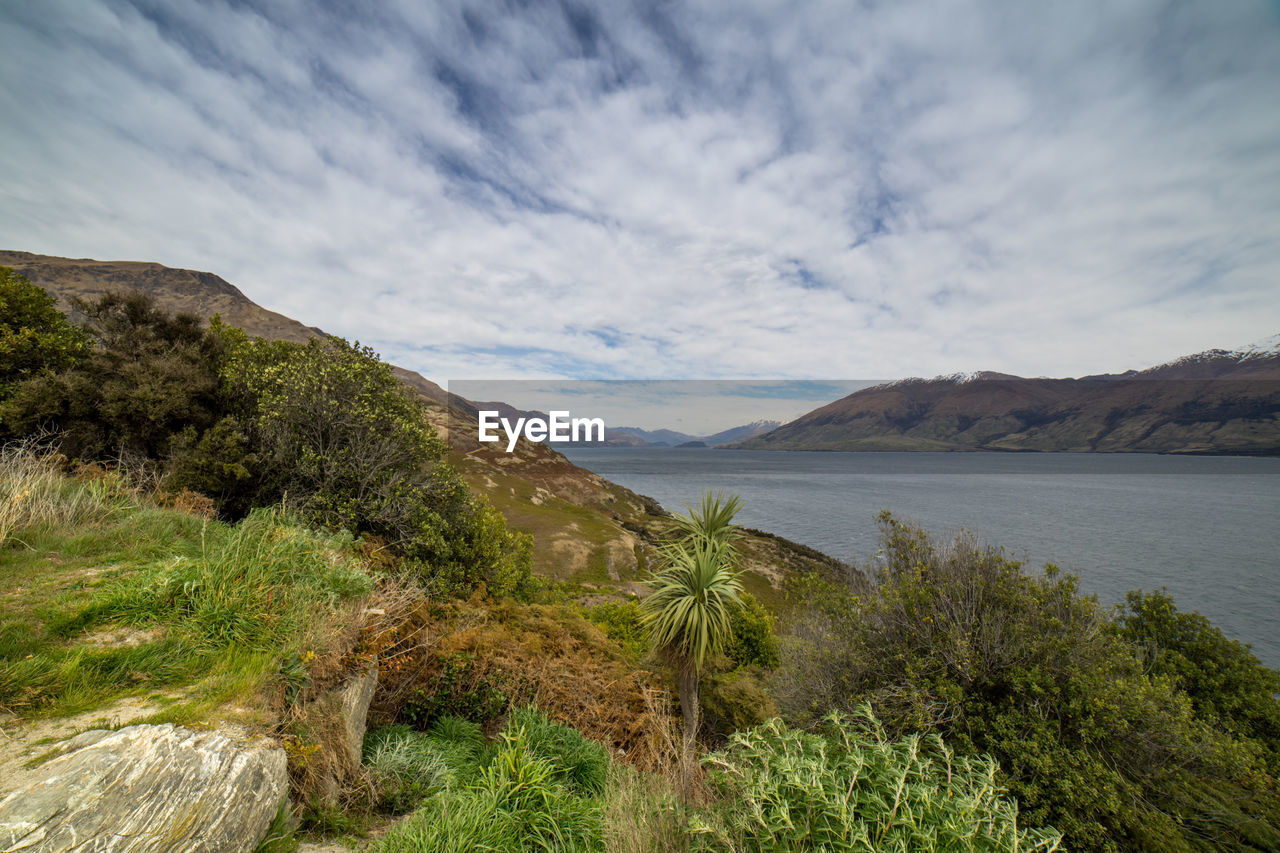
688	616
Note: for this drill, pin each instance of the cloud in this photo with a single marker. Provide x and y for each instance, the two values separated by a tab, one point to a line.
673	190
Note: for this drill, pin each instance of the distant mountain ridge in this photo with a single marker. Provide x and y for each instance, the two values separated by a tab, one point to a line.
1216	401
637	437
672	438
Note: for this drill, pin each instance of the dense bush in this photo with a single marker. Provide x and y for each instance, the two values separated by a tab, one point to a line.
622	622
456	690
328	427
1224	680
851	787
34	335
324	426
752	641
148	377
959	640
733	700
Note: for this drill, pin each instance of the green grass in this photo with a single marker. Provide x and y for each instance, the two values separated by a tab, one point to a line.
213	610
539	786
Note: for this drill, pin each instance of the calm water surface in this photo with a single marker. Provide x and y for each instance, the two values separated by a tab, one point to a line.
1206	528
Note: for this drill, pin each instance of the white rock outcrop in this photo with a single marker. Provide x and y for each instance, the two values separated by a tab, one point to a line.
148	788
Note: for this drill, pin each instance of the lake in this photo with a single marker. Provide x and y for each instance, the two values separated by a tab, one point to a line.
1205	527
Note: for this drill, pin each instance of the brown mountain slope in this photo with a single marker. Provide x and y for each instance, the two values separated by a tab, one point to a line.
1212	402
201	293
585	527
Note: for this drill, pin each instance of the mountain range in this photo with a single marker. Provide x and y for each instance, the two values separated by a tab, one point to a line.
637	437
1217	401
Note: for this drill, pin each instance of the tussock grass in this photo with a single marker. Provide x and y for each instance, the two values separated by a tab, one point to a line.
35	493
409	765
256	587
224	611
581	764
539	786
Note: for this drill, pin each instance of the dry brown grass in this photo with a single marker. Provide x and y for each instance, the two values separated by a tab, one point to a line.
542	655
321	770
35	491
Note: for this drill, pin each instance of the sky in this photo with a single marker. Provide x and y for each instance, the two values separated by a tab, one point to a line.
696	407
621	190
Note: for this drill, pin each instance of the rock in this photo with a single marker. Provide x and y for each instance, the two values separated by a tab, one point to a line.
148	788
334	723
354	698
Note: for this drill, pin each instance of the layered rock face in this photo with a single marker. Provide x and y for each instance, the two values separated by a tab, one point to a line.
148	788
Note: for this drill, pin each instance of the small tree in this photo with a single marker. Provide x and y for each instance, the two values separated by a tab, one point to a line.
689	614
149	376
34	334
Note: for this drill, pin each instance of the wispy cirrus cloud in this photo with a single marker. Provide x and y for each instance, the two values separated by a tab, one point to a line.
673	190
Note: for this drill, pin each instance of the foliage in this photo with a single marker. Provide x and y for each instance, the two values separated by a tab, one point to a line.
735	700
329	427
457	690
149	376
34	335
580	763
851	787
752	641
540	789
1224	680
323	425
622	622
336	432
959	640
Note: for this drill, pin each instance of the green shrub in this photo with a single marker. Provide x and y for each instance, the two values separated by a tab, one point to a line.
455	691
959	640
622	622
851	787
735	700
1224	679
329	427
752	641
325	426
35	336
149	376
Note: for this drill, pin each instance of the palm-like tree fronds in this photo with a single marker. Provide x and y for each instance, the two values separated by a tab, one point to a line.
711	522
688	614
